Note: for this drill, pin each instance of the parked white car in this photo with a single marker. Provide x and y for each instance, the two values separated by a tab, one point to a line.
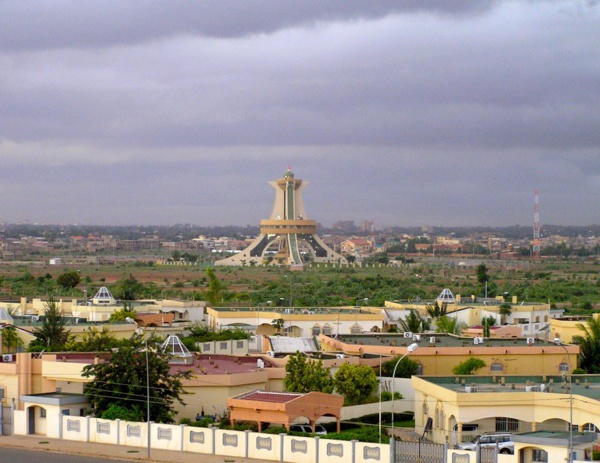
503	440
307	429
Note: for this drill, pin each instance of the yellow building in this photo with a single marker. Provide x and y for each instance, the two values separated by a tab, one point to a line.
512	404
566	328
297	321
438	354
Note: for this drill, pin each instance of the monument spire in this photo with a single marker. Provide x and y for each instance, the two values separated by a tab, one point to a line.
287	231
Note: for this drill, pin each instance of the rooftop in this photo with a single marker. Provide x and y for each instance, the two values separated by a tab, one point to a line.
439	340
273	397
222	365
583	385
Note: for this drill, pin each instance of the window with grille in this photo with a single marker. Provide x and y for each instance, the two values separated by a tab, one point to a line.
327	330
563	367
355	329
590	427
316	330
507	424
497	367
539	455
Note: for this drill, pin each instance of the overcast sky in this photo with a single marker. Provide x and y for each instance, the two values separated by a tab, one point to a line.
447	112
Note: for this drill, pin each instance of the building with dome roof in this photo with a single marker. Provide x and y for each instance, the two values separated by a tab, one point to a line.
287	233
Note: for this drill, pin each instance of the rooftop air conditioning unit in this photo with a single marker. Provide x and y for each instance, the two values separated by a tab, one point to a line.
270	353
530	341
417	337
8	358
432	340
35	318
532	388
470	389
478	340
408	334
340	356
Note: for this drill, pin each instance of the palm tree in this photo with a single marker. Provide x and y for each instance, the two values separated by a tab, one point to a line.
412	323
449	325
589	345
278	324
436	311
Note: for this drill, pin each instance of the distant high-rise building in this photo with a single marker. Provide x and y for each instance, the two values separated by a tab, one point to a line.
286	232
367	226
345	225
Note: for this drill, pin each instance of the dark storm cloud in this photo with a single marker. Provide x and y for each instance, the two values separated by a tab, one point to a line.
435	112
37	24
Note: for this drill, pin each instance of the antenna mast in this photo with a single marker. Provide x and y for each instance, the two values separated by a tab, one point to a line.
536	227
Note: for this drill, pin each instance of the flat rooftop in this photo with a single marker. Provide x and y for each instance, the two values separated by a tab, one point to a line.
297	310
222	365
440	340
589	385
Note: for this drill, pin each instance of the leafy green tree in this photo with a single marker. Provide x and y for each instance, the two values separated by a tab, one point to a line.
10	339
505	310
52	336
128	289
94	340
469	366
69	279
482	274
589	345
486	322
303	375
120	379
117	412
406	368
355	382
214	295
123	314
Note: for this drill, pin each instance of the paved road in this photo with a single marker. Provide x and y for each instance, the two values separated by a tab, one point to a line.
14	455
40	448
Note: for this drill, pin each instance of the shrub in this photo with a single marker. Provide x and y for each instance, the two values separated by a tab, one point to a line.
386	396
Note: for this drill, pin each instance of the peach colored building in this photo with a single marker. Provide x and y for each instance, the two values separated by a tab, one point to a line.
284	407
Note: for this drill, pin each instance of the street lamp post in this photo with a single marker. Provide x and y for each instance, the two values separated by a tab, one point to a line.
148	397
133	322
558	342
411	348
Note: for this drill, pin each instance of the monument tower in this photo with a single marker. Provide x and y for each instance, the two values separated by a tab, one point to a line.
287	231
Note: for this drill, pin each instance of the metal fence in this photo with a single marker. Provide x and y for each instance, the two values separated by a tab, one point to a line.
420	452
488	455
7	420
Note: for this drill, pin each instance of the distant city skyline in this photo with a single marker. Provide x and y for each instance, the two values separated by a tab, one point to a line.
429	112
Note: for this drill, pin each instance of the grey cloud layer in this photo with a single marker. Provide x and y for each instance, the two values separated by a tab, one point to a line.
42	24
430	111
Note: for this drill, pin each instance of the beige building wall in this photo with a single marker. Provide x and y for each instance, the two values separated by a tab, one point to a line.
535	410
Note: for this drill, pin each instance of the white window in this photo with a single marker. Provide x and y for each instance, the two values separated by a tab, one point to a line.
590	427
